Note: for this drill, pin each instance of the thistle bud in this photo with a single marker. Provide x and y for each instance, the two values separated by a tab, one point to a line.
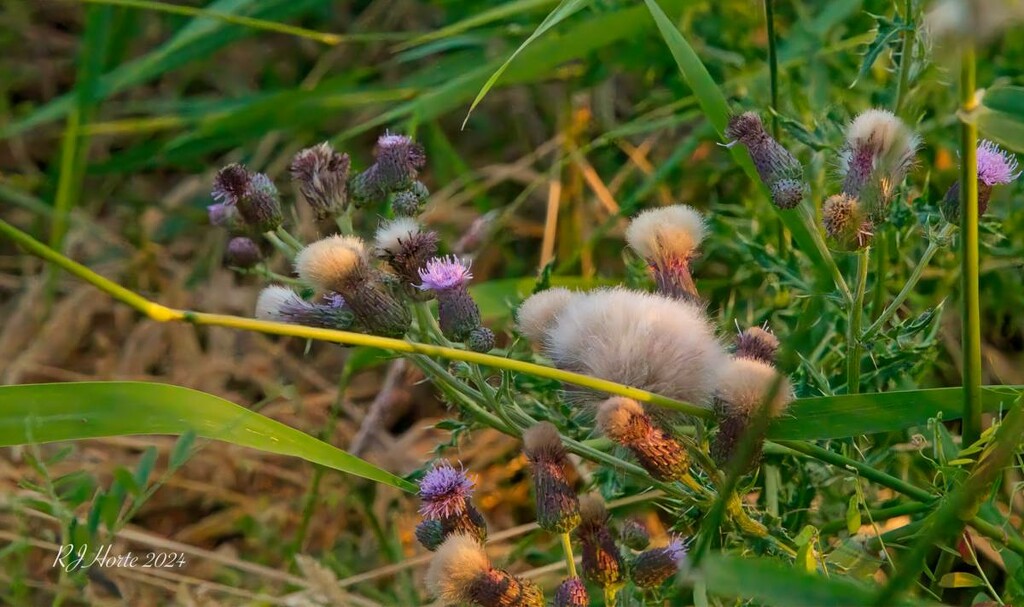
397	164
457	313
995	167
758	344
601	562
558	509
626	423
668	239
571	593
260	207
879	151
653	567
281	304
242	252
745	386
481	339
406	247
340	264
226	216
460	572
430	534
409	203
320	175
778	169
846	223
634	534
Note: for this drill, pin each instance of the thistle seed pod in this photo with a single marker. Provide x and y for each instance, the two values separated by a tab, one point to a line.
634	535
340	264
758	344
746	386
320	175
778	169
601	562
653	567
879	151
281	304
460	572
846	223
995	167
406	247
571	593
558	508
668	239
457	313
409	203
481	339
242	252
626	423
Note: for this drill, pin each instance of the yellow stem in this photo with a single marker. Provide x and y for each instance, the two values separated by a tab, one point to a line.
570	560
164	314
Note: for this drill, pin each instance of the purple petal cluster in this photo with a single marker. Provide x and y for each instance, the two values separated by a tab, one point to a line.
444	491
995	166
443	273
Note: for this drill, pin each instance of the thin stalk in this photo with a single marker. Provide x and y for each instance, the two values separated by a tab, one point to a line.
292	241
969	255
773	63
570	560
609	596
819	243
881	514
912	280
854	348
906	58
344	221
283	247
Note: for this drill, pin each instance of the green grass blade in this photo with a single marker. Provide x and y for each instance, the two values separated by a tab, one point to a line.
41	413
1001	116
490	15
716	109
564	10
777	584
840	416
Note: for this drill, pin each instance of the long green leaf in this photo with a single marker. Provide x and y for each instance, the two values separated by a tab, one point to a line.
564	10
827	417
716	109
508	9
42	413
775	584
1001	116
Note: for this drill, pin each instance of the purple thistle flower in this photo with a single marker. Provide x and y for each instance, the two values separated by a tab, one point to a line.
334	300
995	166
444	491
443	273
230	184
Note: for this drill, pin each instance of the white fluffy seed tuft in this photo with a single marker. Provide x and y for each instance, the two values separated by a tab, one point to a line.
537	315
615	416
891	138
273	299
456	563
328	262
745	384
390	235
645	340
674	231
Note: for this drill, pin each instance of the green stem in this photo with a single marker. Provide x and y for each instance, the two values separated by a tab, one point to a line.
344	221
911	282
773	63
881	514
906	58
283	247
854	349
969	255
609	596
292	241
819	243
570	560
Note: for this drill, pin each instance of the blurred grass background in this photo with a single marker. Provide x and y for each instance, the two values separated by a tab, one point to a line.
115	115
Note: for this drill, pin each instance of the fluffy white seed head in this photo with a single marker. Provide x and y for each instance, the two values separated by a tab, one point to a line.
541	438
391	234
745	383
645	340
674	231
456	563
327	262
273	299
890	139
615	416
537	315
